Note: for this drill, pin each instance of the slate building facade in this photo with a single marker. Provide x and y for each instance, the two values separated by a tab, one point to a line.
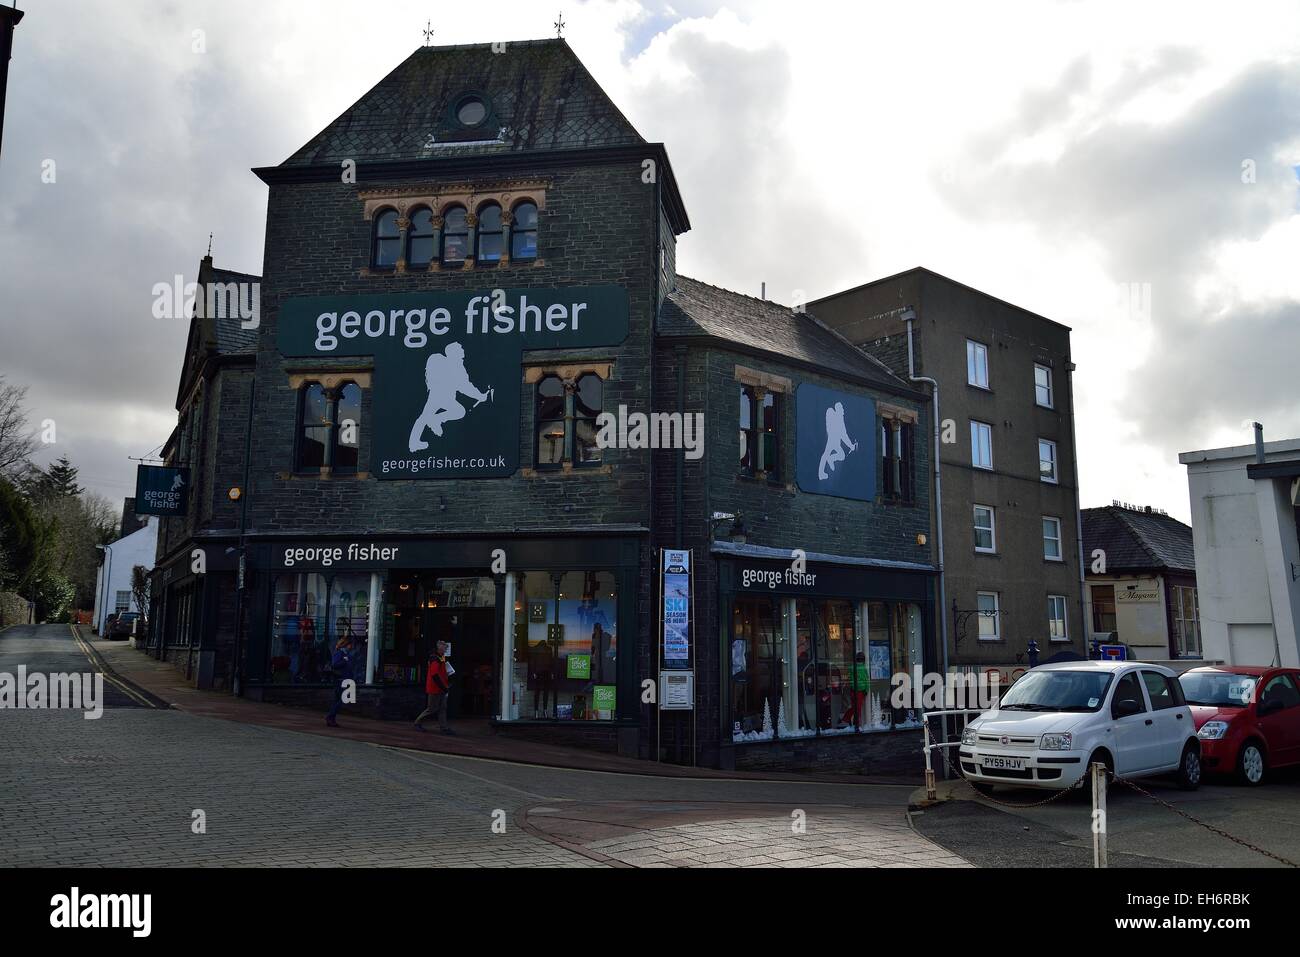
464	275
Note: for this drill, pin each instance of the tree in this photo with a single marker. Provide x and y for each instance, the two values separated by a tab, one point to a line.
140	592
53	484
17	441
24	542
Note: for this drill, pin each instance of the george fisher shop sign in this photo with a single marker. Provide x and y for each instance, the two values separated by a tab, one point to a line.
161	489
446	383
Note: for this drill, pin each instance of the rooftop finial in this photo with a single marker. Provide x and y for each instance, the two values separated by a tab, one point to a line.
559	25
209	245
428	31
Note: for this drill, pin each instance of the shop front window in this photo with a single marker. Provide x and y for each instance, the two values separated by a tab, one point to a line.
401	657
844	654
836	650
299	637
565	646
906	656
756	703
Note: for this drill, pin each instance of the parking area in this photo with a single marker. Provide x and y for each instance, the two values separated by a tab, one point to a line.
1141	831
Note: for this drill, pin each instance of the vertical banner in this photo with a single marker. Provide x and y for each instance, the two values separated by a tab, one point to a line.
675	569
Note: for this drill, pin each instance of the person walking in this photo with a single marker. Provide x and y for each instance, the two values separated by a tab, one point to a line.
437	683
341	665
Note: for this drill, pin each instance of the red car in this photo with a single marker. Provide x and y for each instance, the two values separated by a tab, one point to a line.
1247	718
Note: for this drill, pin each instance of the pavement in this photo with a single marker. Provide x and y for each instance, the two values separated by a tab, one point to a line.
168	687
222	783
1146	826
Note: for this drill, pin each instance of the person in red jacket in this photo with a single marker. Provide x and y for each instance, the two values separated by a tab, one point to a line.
437	683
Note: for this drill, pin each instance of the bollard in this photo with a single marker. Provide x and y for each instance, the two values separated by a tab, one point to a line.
1098	814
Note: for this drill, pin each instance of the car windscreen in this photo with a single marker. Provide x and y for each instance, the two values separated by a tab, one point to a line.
1057	691
1220	689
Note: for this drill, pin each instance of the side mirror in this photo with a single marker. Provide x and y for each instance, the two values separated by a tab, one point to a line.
1126	707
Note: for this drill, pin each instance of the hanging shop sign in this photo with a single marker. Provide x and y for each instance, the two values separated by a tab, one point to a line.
675	570
446	384
161	489
835	443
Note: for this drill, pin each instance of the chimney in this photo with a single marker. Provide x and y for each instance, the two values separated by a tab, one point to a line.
1259	444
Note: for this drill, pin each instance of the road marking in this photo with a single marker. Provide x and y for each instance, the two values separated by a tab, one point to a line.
111	679
420	757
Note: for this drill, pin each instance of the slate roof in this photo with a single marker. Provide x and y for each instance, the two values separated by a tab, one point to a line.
1138	540
538	90
695	308
231	338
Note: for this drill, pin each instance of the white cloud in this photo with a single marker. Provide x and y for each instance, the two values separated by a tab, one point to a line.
1044	152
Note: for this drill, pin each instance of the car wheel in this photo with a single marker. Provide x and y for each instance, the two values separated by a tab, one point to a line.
1250	763
1105	758
1189	768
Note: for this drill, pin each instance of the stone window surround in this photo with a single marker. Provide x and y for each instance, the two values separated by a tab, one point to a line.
762	383
331	382
568	373
472	196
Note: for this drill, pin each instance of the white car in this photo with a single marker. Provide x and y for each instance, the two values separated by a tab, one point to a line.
1057	719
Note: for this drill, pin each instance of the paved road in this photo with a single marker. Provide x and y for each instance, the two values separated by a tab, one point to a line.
1141	832
127	789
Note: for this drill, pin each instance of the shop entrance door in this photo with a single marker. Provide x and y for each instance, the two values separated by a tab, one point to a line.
470	632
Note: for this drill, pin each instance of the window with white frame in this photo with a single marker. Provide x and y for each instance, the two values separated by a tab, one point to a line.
989	615
1052	539
122	601
986	537
981	445
977	364
1043	387
1187	621
1047	460
1056	626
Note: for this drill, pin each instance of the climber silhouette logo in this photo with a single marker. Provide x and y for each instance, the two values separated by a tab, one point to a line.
837	441
446	378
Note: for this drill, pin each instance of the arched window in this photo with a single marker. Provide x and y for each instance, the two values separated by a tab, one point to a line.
490	243
314	427
419	241
523	232
587	401
549	422
347	429
455	236
387	240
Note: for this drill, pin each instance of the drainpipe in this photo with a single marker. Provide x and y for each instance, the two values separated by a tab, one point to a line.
1078	516
909	316
679	353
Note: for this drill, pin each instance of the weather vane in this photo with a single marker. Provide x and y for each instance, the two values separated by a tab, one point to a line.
559	25
428	31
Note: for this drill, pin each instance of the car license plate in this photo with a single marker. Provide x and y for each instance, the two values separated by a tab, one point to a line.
1006	764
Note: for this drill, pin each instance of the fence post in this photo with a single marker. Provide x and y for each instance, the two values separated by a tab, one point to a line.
929	769
1098	814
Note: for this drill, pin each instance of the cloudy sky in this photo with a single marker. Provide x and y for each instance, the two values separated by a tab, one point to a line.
1127	169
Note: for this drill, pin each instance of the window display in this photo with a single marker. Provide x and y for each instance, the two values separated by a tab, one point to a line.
300	649
755	670
844	655
566	645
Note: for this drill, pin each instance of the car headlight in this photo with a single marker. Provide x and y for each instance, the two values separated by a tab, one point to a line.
1057	742
968	737
1213	730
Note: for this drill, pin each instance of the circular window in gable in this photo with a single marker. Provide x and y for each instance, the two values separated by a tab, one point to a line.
470	110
